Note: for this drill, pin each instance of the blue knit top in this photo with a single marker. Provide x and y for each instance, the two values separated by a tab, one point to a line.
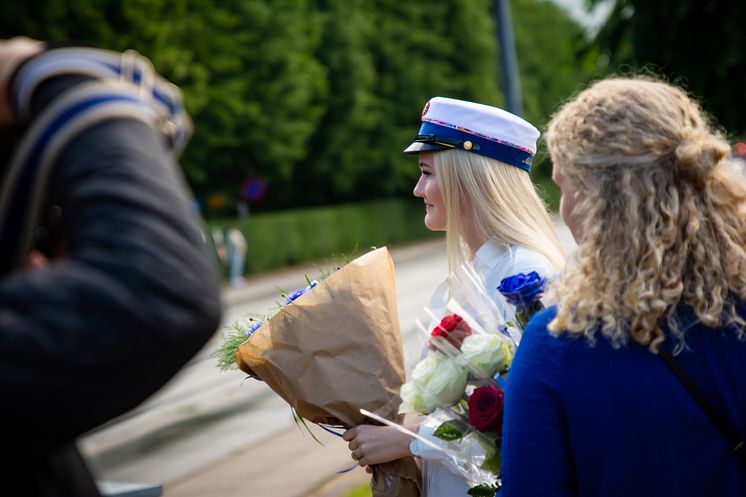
594	420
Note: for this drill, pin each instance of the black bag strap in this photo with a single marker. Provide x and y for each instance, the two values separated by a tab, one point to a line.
726	429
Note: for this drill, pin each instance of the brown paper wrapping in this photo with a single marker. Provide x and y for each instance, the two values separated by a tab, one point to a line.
337	349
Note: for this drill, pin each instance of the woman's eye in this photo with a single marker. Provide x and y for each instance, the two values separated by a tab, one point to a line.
426	173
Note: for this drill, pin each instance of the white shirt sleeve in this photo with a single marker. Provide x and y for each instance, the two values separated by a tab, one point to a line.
526	260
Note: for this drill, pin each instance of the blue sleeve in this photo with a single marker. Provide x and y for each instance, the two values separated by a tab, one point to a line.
535	452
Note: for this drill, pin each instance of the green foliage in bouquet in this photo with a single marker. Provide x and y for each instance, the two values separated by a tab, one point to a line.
494	460
483	490
236	333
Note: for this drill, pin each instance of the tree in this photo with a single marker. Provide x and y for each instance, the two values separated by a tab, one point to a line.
696	44
318	97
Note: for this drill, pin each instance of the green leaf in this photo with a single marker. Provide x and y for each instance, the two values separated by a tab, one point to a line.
492	464
449	432
483	490
301	423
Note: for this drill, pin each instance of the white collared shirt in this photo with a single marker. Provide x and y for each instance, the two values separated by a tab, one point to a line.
493	262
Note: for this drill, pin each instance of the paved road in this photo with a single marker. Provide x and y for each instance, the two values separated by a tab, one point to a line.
206	426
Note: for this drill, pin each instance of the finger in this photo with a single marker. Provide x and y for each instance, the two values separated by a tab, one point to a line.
369	469
349	434
36	260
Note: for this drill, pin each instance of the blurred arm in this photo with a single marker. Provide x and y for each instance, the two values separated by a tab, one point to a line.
92	335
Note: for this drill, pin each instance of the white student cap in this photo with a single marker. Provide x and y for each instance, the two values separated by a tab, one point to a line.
482	129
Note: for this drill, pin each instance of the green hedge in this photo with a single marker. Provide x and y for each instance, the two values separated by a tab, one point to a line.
285	238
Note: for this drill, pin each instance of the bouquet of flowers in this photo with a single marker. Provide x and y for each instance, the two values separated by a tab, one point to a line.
333	348
459	383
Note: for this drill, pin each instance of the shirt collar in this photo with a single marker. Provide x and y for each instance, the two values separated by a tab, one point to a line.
491	253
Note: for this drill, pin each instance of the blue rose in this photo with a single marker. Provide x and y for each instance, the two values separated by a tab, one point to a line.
253	328
522	289
524	292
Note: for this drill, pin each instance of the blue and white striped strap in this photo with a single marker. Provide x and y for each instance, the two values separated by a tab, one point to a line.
129	67
25	184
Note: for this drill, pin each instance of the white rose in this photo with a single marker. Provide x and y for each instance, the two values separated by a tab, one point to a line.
489	353
426	367
411	392
411	397
445	386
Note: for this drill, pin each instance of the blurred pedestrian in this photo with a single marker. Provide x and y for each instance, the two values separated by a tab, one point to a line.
635	384
106	287
237	249
218	239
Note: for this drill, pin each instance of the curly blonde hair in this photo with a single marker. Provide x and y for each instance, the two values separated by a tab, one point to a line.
663	213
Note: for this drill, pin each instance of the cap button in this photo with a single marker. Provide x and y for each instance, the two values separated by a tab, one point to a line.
467	145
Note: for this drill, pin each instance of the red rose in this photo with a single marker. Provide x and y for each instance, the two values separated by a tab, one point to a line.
453	328
447	324
486	409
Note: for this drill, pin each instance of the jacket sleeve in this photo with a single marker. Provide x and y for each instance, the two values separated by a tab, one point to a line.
135	297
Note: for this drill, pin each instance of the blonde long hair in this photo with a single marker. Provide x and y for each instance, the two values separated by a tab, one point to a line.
499	198
664	214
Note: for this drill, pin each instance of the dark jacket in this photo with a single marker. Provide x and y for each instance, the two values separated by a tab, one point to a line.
99	330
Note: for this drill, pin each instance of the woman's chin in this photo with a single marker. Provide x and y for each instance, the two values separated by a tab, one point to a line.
433	224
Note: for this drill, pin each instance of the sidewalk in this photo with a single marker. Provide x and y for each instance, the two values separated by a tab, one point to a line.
308	469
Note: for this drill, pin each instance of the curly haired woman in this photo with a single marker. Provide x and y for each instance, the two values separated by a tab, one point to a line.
659	214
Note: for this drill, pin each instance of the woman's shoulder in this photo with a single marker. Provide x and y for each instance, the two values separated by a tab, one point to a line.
537	328
537	334
526	260
541	356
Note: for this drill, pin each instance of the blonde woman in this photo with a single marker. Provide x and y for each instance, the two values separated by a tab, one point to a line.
635	384
474	162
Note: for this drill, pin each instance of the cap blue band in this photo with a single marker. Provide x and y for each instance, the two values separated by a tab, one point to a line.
495	150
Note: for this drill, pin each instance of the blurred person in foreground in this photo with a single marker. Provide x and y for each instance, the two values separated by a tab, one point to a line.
635	383
106	288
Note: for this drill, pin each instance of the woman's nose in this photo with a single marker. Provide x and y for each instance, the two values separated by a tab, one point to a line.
419	190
